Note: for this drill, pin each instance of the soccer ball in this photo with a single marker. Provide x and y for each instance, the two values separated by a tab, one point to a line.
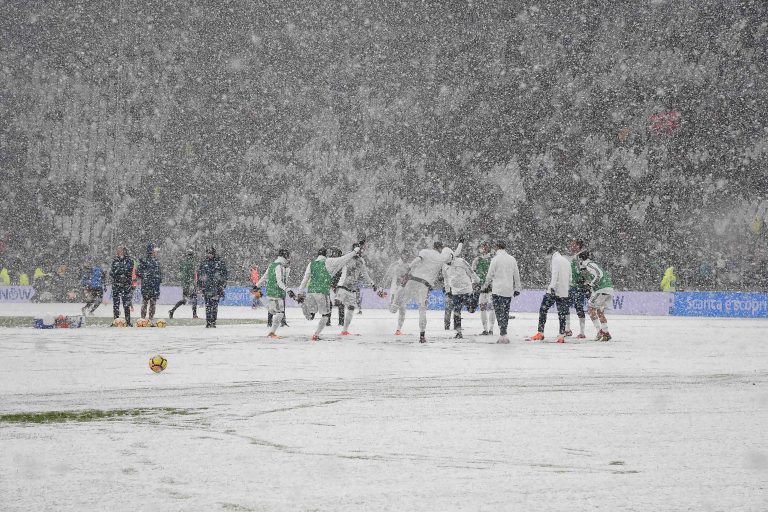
158	363
118	322
142	322
161	323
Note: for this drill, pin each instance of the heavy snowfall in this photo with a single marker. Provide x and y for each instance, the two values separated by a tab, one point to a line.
398	255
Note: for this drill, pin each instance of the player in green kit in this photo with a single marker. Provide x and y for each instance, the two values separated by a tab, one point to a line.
275	278
480	266
602	295
317	282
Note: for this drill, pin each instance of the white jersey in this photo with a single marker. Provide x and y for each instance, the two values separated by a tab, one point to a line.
395	271
503	275
561	275
427	265
459	277
351	274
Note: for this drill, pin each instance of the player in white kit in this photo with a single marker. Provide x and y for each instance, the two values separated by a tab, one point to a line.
422	273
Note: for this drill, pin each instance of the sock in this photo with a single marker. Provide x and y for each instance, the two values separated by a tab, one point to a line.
491	320
582	321
484	318
276	322
605	326
320	325
400	319
568	322
348	319
596	322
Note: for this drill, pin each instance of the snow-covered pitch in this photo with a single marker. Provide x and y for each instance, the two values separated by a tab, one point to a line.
670	416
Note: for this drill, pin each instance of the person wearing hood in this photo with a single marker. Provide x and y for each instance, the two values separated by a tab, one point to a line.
188	279
275	278
502	281
212	278
317	283
557	293
151	276
669	281
421	277
462	282
121	274
601	297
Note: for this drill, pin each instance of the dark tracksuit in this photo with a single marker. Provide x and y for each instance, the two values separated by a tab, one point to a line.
121	273
212	278
576	294
151	276
562	310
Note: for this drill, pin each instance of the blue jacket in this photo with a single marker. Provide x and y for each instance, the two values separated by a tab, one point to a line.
93	278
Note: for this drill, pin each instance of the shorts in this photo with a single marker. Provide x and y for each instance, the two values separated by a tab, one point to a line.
346	297
275	305
601	301
318	303
412	291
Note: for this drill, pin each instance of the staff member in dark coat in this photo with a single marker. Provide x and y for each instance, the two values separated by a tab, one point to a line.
121	274
151	276
211	279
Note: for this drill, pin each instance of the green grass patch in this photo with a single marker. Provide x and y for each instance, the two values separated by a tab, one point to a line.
87	415
27	321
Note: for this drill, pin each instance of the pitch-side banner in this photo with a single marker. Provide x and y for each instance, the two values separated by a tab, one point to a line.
16	293
529	301
741	305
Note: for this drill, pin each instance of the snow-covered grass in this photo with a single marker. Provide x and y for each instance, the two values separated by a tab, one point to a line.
670	416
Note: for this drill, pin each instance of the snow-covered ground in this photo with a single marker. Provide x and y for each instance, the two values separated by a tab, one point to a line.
669	416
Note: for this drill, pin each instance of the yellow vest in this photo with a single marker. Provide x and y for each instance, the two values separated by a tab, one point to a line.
5	279
38	274
23	279
669	280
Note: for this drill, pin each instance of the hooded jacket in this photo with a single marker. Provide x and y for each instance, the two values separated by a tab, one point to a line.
150	273
212	277
121	273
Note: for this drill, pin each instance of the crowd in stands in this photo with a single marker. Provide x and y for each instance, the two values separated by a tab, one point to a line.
639	127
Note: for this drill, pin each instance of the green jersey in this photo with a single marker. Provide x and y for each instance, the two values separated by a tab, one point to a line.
273	289
482	264
577	279
600	278
319	278
187	272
